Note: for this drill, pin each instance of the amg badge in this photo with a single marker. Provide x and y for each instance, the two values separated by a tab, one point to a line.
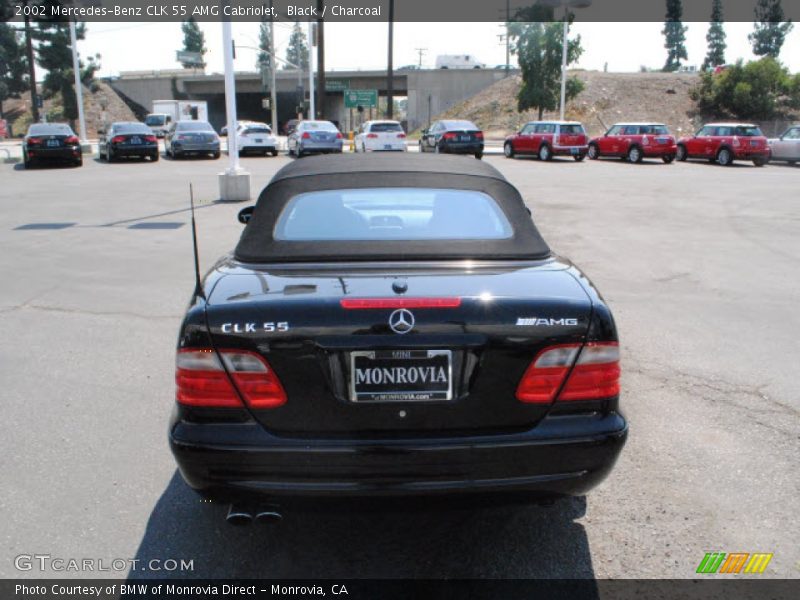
536	321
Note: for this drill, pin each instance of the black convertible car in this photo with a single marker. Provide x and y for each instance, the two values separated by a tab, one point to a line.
394	327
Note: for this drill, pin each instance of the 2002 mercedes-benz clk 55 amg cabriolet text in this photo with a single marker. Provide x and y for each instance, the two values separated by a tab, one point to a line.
395	326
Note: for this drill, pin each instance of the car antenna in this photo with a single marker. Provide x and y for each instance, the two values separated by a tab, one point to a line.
198	287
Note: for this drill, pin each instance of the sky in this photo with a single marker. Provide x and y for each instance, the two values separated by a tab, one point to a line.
351	46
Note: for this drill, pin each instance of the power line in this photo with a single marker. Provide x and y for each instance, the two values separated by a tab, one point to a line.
421	52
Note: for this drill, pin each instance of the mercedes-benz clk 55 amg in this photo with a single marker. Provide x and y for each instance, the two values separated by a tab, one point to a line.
395	326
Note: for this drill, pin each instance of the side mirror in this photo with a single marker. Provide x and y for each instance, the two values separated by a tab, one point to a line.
246	214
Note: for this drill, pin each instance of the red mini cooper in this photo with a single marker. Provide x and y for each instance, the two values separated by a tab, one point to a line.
546	139
634	142
725	142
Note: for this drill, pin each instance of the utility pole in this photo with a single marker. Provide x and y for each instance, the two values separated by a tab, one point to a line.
390	66
31	67
273	92
320	61
312	113
76	67
421	52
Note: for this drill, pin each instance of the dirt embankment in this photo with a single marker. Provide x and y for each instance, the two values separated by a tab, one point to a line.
606	99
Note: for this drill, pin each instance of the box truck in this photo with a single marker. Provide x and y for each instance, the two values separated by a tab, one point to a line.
165	112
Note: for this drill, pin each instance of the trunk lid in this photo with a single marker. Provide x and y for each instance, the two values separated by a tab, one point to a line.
346	365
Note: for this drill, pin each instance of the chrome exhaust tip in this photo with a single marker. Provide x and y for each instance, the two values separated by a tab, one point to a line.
269	514
239	516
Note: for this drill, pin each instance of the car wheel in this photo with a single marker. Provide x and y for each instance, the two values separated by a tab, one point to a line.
26	162
479	155
724	157
680	153
668	158
436	149
545	153
110	155
421	147
216	155
593	153
274	152
154	157
508	150
579	157
635	154
78	162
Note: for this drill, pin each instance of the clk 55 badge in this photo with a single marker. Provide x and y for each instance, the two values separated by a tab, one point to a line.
251	327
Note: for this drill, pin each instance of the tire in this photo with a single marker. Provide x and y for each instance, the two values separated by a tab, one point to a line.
479	155
579	157
725	157
274	152
635	155
436	149
545	153
760	162
26	162
216	155
154	157
78	163
593	152
508	150
681	154
668	158
110	155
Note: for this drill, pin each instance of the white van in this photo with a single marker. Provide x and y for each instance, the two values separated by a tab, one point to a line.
458	61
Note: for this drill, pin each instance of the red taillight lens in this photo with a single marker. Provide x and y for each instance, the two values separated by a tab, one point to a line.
150	138
201	380
73	139
339	136
594	376
372	136
34	141
479	135
118	139
450	135
306	135
363	303
401	135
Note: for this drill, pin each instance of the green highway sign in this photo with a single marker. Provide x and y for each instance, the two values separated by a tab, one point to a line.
337	85
365	98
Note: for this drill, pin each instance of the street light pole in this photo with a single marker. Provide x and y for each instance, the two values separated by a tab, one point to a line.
564	52
76	67
273	95
311	106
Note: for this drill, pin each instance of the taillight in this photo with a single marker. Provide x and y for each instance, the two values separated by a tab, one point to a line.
372	136
594	376
339	135
73	139
450	135
34	141
479	135
306	135
401	135
736	141
645	140
118	139
150	138
202	381
363	303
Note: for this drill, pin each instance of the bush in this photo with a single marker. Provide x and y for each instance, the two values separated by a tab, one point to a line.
759	90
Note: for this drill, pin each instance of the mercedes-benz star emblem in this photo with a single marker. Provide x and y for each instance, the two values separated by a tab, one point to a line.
401	321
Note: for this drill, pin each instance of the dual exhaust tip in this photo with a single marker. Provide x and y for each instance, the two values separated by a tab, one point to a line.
241	515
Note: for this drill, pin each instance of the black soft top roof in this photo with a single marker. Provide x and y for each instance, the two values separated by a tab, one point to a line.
333	172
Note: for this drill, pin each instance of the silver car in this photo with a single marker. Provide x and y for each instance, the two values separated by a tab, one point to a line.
787	147
191	137
314	137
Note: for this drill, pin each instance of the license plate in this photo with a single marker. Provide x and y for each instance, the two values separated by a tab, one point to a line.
259	140
662	140
466	138
401	375
753	143
573	150
136	140
387	146
53	143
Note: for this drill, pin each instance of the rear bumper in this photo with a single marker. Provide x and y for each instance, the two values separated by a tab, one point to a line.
659	151
564	455
61	153
139	150
199	148
462	148
312	146
570	150
747	154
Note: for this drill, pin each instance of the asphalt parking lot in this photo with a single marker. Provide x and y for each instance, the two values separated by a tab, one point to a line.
698	262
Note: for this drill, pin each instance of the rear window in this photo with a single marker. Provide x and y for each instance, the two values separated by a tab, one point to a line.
655	130
155	120
571	129
194	126
377	214
50	129
461	125
748	131
318	126
257	129
384	127
131	128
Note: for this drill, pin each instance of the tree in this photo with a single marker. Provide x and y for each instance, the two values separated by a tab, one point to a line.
538	46
297	50
769	29
54	54
674	36
193	41
759	90
264	60
13	65
715	38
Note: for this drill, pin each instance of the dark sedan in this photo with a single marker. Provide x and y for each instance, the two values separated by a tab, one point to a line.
49	143
128	140
191	138
452	137
393	327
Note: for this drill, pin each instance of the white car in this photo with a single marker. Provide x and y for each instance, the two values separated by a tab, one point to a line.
787	146
381	136
255	138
